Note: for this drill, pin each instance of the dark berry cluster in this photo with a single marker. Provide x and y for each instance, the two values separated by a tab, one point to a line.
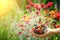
39	29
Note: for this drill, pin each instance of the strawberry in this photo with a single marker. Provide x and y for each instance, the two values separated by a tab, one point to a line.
33	29
39	26
39	31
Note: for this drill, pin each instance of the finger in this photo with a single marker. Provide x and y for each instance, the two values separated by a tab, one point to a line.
33	33
36	35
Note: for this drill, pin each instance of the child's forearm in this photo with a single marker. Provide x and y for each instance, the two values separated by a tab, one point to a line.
56	31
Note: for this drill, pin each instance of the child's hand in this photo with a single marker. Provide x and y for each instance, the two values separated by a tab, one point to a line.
48	33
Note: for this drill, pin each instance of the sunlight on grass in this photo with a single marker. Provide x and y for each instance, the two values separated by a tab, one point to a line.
6	6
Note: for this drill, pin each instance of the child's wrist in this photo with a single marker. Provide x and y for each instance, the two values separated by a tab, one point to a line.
56	31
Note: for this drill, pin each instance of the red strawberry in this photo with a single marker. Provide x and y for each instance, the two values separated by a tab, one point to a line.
39	31
33	29
39	26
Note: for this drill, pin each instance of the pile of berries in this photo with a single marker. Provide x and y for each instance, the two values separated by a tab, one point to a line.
39	29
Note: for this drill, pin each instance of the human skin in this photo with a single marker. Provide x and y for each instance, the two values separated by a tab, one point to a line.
50	32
